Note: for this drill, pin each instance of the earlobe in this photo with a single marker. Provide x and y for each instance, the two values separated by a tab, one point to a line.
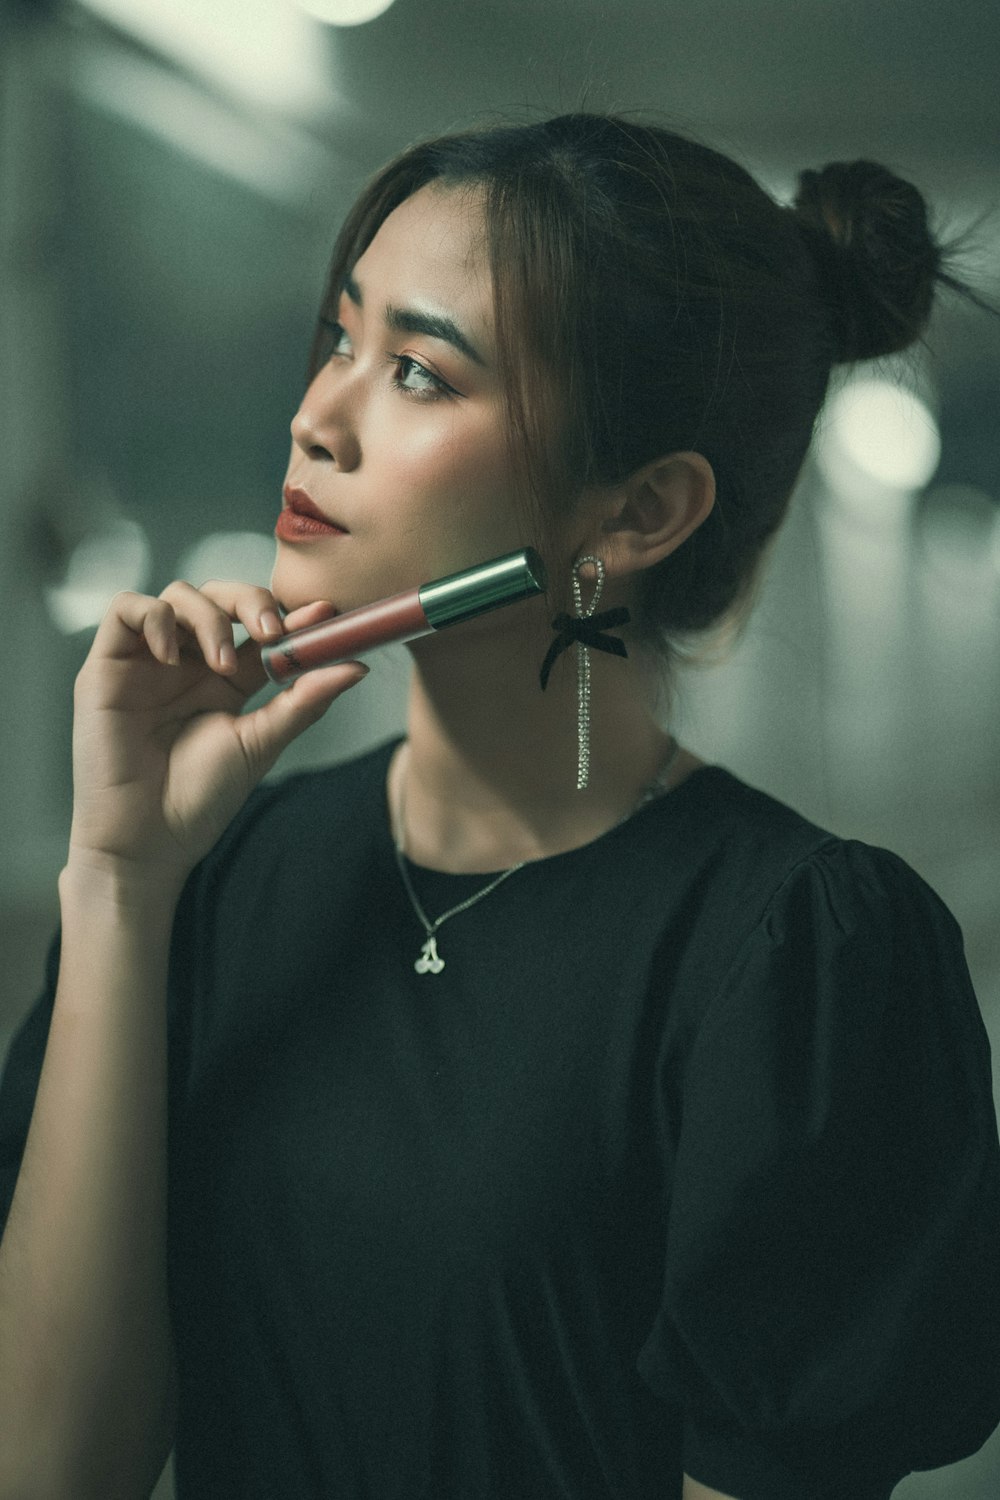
657	508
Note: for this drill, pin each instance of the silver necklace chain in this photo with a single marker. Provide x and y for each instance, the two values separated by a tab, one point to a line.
430	961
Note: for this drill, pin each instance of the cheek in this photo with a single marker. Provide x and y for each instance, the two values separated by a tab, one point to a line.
459	503
470	476
444	478
448	451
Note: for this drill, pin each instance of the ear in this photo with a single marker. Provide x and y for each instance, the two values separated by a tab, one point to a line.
652	512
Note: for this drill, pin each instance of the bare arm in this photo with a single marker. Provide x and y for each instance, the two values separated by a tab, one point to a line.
86	1355
695	1491
163	758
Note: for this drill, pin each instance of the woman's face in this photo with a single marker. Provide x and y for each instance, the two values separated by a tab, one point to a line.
400	438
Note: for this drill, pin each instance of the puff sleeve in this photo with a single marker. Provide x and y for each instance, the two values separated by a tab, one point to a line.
830	1315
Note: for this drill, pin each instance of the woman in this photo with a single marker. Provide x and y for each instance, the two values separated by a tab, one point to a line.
550	1112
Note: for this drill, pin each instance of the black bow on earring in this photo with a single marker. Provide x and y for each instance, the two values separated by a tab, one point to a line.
588	631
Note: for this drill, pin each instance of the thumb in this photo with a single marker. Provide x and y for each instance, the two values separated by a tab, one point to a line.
268	730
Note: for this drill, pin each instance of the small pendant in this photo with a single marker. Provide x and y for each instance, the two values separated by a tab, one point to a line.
428	962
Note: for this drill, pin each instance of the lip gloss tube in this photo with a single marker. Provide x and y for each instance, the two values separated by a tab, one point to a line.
406	617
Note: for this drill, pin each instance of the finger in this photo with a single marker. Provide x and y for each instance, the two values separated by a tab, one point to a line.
268	730
207	622
257	610
134	622
250	676
254	606
309	614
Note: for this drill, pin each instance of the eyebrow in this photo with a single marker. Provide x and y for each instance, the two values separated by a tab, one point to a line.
409	320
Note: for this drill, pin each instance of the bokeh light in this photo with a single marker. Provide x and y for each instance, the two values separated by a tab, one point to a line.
246	555
107	561
344	12
881	430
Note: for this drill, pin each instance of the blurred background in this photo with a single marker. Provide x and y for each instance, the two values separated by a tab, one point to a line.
172	174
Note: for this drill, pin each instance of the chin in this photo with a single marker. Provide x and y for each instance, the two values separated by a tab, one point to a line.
291	595
294	582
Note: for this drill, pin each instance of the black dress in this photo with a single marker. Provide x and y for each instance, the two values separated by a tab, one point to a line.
686	1160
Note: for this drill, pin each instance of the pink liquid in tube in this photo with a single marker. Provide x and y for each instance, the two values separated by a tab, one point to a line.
406	617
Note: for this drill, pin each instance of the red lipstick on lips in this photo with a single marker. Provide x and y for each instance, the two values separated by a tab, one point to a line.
406	617
301	520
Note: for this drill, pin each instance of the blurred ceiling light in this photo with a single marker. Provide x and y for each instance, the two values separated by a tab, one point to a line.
344	12
263	49
271	158
105	562
882	431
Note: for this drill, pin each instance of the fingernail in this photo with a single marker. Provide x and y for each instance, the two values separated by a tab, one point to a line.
227	656
269	623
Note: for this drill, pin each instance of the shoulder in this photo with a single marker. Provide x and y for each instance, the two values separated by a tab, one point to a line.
840	990
764	887
775	853
836	932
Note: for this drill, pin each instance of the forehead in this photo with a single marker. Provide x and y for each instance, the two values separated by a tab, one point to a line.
431	251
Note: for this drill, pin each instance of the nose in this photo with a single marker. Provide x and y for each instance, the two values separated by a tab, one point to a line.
323	427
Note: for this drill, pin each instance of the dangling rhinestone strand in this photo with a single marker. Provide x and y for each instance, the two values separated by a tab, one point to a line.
583	671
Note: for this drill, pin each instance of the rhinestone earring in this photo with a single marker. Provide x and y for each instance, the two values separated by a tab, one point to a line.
588	629
583	668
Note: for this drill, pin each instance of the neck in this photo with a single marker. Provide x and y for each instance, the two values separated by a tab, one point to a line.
490	760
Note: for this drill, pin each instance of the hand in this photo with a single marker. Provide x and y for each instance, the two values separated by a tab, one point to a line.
695	1491
163	756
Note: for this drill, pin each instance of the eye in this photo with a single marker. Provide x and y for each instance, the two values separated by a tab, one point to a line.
417	380
335	340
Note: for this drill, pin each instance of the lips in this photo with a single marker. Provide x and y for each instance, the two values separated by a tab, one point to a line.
301	504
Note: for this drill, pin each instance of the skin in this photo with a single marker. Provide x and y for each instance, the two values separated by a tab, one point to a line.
420	478
695	1491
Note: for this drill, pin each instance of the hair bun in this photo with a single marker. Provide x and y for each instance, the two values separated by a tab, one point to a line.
869	234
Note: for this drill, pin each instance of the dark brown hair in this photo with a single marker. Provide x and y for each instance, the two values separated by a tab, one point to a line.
648	290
